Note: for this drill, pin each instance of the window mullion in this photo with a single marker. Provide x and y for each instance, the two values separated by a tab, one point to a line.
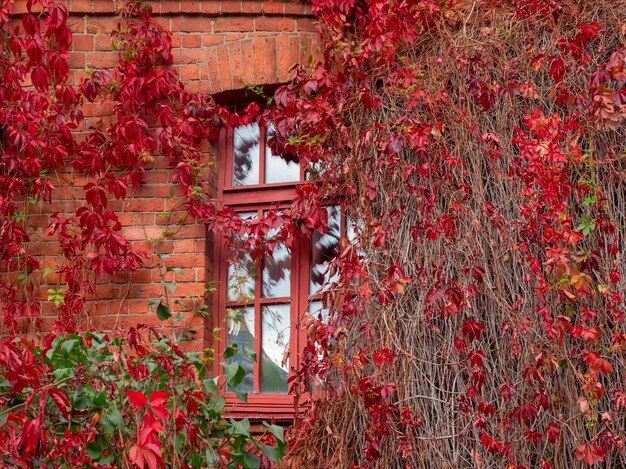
257	320
262	155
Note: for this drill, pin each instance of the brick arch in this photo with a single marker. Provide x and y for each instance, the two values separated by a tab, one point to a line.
253	61
224	53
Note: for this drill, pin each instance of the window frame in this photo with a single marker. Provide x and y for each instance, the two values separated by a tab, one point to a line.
247	198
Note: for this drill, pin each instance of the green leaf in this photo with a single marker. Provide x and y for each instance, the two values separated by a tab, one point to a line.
272	452
242	396
170	286
153	303
95	448
176	270
68	345
113	421
234	373
278	433
240	427
230	351
163	312
210	385
246	460
100	399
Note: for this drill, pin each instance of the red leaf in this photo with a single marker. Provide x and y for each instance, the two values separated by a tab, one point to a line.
137	399
557	70
61	400
158	398
589	453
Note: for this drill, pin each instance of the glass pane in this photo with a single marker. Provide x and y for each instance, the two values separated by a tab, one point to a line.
275	346
276	168
241	272
313	172
324	249
246	155
240	331
317	310
276	277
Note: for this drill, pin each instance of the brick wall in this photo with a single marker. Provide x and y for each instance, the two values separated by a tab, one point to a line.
219	46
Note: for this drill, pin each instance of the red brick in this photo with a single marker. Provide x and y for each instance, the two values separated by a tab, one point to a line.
177	39
214	71
191	6
148	290
76	60
252	7
82	42
236	69
229	38
142	219
190	72
187	275
103	6
282	58
188	56
82	6
258	45
144	232
210	39
184	260
101	25
294	50
274	7
265	23
138	306
144	205
231	6
270	60
306	24
103	42
157	177
191	40
170	6
224	68
163	247
184	245
210	7
247	53
294	7
233	25
102	60
191	24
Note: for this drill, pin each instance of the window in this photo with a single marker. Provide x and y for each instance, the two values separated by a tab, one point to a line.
259	305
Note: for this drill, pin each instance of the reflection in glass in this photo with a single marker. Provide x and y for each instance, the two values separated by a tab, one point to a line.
324	249
276	168
317	310
276	277
246	155
241	272
275	343
240	331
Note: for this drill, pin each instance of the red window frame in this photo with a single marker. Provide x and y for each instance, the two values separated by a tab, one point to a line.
247	198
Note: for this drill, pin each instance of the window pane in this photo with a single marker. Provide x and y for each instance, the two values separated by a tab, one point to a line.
317	310
246	155
240	331
275	345
276	168
276	278
241	272
324	249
